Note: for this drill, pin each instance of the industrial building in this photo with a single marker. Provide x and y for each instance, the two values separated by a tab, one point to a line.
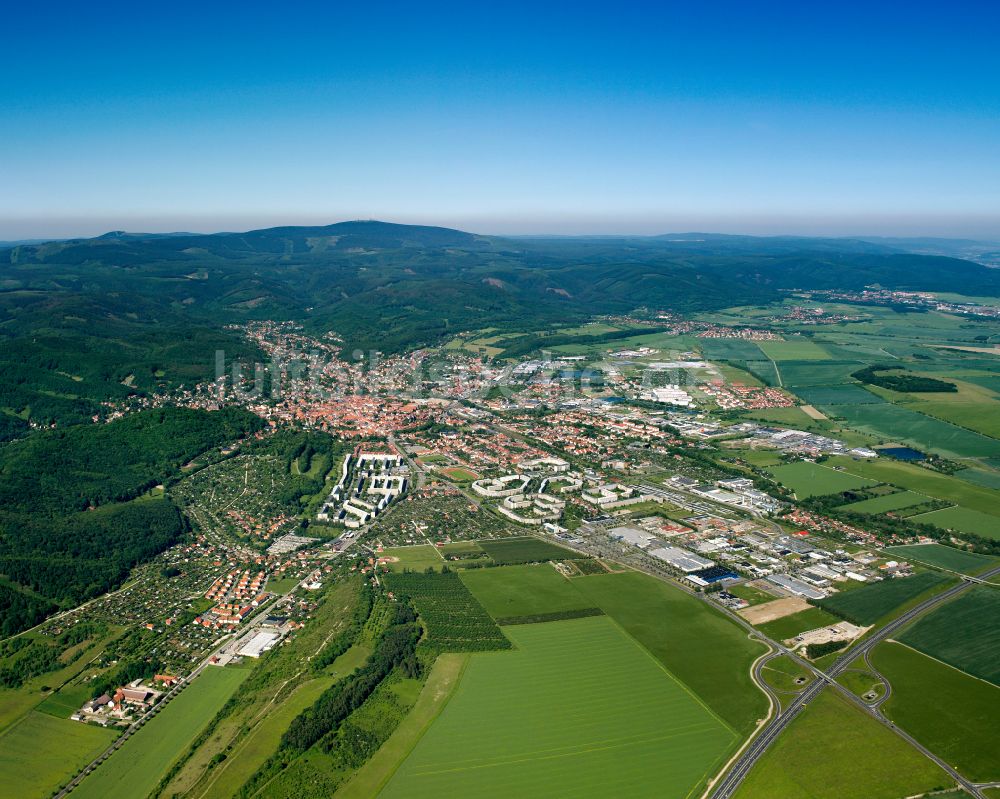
682	559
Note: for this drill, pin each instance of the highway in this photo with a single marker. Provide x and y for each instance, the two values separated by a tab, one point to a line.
727	785
737	770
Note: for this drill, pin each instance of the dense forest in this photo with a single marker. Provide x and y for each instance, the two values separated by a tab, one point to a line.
72	469
876	375
75	515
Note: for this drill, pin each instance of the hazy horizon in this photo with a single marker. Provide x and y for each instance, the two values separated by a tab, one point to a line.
861	226
568	118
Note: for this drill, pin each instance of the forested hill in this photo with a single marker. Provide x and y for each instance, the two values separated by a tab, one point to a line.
73	515
88	319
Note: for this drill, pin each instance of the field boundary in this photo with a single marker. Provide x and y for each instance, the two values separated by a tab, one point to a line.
938	660
674	677
346	791
760	724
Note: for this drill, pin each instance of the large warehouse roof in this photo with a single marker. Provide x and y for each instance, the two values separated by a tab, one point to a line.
682	559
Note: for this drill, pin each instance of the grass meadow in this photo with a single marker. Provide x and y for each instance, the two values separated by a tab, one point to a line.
832	750
415	558
944	557
813	479
41	752
136	768
954	715
790	626
887	503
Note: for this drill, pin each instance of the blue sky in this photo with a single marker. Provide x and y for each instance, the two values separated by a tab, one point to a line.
762	117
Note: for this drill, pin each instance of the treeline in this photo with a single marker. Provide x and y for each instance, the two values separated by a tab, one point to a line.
39	657
319	724
876	375
395	647
814	651
559	615
123	673
346	637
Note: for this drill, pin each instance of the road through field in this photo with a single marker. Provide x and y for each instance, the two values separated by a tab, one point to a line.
730	782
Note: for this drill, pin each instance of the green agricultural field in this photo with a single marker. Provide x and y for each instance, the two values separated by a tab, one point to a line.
800	349
600	711
846	394
796	623
730	349
786	417
508	551
944	557
896	423
886	503
765	371
818	373
701	647
980	477
415	558
971	406
964	633
41	752
833	750
982	416
868	604
990	382
951	713
136	768
922	481
813	480
964	520
527	590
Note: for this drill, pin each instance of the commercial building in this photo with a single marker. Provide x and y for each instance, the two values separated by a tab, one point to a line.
259	644
796	587
682	559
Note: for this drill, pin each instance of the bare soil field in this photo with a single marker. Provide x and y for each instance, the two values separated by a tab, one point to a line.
769	611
